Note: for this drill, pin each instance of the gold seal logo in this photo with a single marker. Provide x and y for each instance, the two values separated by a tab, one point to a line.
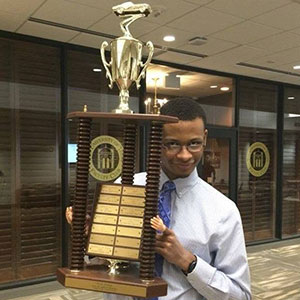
106	158
258	159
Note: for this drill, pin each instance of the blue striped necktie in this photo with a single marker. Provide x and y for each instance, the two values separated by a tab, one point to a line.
164	210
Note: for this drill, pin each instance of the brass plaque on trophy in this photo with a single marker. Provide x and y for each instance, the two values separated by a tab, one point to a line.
117	222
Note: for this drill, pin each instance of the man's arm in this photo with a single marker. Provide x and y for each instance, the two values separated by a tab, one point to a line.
227	277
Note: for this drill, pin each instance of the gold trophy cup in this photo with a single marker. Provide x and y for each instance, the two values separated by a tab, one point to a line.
126	54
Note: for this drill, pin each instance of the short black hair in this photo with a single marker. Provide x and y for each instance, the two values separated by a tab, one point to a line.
185	109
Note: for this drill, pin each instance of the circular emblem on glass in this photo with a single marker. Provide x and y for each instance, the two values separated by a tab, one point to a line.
106	158
258	159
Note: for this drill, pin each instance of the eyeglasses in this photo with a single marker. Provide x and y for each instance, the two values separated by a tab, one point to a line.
174	147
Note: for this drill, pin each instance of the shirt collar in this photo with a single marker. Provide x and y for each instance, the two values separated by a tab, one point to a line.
182	184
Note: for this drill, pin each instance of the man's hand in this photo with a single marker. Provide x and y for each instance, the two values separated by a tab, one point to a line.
170	248
69	214
158	224
69	217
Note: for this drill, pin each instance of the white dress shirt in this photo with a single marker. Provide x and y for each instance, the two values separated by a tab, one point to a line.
208	224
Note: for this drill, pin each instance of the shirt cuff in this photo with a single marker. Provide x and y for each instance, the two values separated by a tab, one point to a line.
203	273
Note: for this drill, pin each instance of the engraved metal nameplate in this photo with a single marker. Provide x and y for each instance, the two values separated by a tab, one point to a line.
109	209
111	189
99	228
106	219
134	191
113	199
106	287
133	201
100	249
129	231
126	252
128	221
131	211
128	242
102	239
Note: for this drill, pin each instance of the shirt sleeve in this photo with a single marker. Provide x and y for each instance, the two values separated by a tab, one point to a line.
227	277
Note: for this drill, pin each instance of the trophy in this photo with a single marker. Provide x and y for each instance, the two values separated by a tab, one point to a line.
120	231
126	54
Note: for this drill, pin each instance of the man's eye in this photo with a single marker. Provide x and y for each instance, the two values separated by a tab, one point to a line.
172	145
196	143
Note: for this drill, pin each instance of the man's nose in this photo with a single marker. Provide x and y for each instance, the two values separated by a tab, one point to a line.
184	153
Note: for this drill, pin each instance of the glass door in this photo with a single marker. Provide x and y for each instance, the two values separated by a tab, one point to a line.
257	154
218	160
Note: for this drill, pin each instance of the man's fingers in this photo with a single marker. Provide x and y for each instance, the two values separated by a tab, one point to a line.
168	231
69	214
166	234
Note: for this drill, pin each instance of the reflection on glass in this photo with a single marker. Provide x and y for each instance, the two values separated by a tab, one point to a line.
72	153
30	173
291	164
214	93
87	87
257	186
215	166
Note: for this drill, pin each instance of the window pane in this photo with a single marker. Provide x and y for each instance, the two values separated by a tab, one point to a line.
215	166
205	89
257	159
87	87
291	163
29	156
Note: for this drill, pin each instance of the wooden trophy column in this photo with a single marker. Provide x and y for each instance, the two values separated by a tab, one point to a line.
81	192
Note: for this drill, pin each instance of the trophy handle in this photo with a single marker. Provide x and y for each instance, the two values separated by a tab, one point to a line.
145	65
106	64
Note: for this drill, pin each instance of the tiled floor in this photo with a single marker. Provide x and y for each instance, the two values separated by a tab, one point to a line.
275	270
275	273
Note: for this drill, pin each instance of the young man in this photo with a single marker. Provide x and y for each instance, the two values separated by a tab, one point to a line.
204	247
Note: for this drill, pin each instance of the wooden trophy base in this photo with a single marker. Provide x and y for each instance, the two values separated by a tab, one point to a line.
97	279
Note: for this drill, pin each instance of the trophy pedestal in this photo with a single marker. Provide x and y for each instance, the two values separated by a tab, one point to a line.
121	216
127	283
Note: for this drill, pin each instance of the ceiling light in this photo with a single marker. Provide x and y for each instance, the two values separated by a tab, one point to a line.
213	86
97	70
224	88
297	67
294	115
169	38
291	98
